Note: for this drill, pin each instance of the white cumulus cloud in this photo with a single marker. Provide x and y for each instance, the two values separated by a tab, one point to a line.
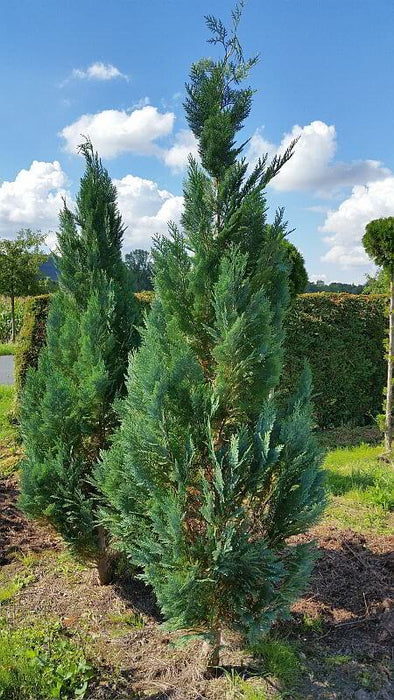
312	167
33	199
146	210
98	71
346	224
258	146
114	132
176	157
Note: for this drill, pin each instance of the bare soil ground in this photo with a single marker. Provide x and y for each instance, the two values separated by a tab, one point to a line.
341	628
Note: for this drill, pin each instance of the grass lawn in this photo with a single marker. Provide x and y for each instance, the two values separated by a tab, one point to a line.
10	452
361	489
6	398
7	348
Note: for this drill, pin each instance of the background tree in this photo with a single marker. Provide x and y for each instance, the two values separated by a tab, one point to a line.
378	242
67	413
298	277
20	261
207	478
378	283
139	262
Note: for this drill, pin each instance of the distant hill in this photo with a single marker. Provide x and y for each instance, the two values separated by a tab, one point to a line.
319	286
49	269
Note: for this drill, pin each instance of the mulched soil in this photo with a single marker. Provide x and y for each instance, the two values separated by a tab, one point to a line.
352	579
347	436
345	654
351	592
17	534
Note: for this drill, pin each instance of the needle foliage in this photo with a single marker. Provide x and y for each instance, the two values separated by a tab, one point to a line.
67	412
207	478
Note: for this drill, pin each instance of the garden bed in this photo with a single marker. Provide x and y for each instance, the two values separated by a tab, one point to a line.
337	645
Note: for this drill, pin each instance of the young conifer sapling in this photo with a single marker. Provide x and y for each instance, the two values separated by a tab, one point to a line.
209	474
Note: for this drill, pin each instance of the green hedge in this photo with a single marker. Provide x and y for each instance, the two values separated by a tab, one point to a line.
342	337
31	339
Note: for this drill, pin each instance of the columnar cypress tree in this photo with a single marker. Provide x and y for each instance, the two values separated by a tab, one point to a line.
67	413
208	478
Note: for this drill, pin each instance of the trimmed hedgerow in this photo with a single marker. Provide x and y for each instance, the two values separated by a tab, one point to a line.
342	337
31	338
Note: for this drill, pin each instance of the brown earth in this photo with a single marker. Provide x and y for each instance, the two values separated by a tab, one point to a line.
341	628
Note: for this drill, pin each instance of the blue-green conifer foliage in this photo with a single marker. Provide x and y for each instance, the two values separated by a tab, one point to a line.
67	411
208	479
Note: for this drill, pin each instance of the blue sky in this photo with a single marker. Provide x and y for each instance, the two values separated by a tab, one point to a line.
116	70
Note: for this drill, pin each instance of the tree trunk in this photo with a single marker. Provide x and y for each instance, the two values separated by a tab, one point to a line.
389	399
13	334
214	658
104	559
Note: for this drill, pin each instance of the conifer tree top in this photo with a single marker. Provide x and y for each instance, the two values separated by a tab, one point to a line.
216	106
90	239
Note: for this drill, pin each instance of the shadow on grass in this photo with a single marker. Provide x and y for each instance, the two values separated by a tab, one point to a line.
339	484
348	591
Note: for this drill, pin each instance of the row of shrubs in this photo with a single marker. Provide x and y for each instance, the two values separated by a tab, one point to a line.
341	336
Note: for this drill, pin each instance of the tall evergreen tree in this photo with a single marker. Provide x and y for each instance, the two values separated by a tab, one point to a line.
207	479
67	412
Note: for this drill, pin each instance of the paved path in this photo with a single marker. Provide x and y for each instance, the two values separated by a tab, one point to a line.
6	369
